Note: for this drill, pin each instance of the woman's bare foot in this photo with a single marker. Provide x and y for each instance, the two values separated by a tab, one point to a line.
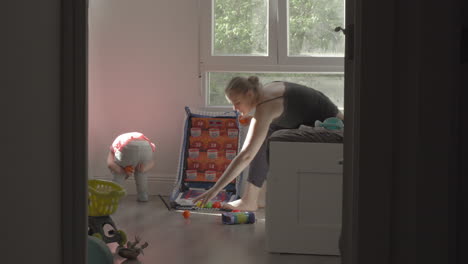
249	201
241	205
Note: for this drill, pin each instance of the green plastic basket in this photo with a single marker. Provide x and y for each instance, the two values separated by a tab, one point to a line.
103	197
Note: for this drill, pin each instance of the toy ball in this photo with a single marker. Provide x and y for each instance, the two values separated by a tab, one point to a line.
186	214
244	120
216	205
129	169
208	205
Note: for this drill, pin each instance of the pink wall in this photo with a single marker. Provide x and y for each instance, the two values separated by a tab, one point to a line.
143	70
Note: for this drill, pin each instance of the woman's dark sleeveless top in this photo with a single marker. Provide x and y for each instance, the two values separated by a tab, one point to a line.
303	106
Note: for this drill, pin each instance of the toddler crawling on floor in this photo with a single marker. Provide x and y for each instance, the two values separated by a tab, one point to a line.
131	154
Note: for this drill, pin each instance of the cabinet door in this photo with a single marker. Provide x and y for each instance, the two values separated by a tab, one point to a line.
304	196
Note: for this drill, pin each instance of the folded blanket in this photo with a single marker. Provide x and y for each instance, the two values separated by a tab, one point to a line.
308	134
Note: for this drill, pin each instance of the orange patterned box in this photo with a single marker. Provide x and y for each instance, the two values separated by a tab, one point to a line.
215	132
197	155
230	144
200	122
230	154
207	122
210	175
217	164
232	133
213	154
191	175
217	123
197	144
202	176
230	123
220	142
200	143
213	143
194	153
195	165
196	132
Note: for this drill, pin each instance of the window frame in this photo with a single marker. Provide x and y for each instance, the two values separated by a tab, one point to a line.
277	59
207	16
283	45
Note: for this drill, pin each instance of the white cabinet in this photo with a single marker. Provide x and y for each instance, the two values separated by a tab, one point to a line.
304	197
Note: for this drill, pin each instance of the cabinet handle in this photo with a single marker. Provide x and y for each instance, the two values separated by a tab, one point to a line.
340	162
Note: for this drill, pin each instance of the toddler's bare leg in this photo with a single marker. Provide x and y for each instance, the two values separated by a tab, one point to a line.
118	178
141	186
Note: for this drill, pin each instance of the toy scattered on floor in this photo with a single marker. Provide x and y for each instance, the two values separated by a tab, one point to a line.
186	214
235	211
232	218
132	250
103	200
98	252
130	170
245	120
185	200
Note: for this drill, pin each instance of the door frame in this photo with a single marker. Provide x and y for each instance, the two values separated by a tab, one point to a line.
364	223
74	130
355	203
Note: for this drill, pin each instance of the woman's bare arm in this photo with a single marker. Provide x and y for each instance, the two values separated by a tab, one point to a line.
257	133
340	115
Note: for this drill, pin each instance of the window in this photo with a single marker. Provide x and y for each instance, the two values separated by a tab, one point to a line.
288	40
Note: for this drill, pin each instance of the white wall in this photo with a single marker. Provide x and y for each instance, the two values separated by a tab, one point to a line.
143	70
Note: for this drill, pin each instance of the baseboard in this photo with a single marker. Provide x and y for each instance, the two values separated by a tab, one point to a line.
160	184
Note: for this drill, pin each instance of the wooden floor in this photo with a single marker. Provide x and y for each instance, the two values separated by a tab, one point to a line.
201	239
